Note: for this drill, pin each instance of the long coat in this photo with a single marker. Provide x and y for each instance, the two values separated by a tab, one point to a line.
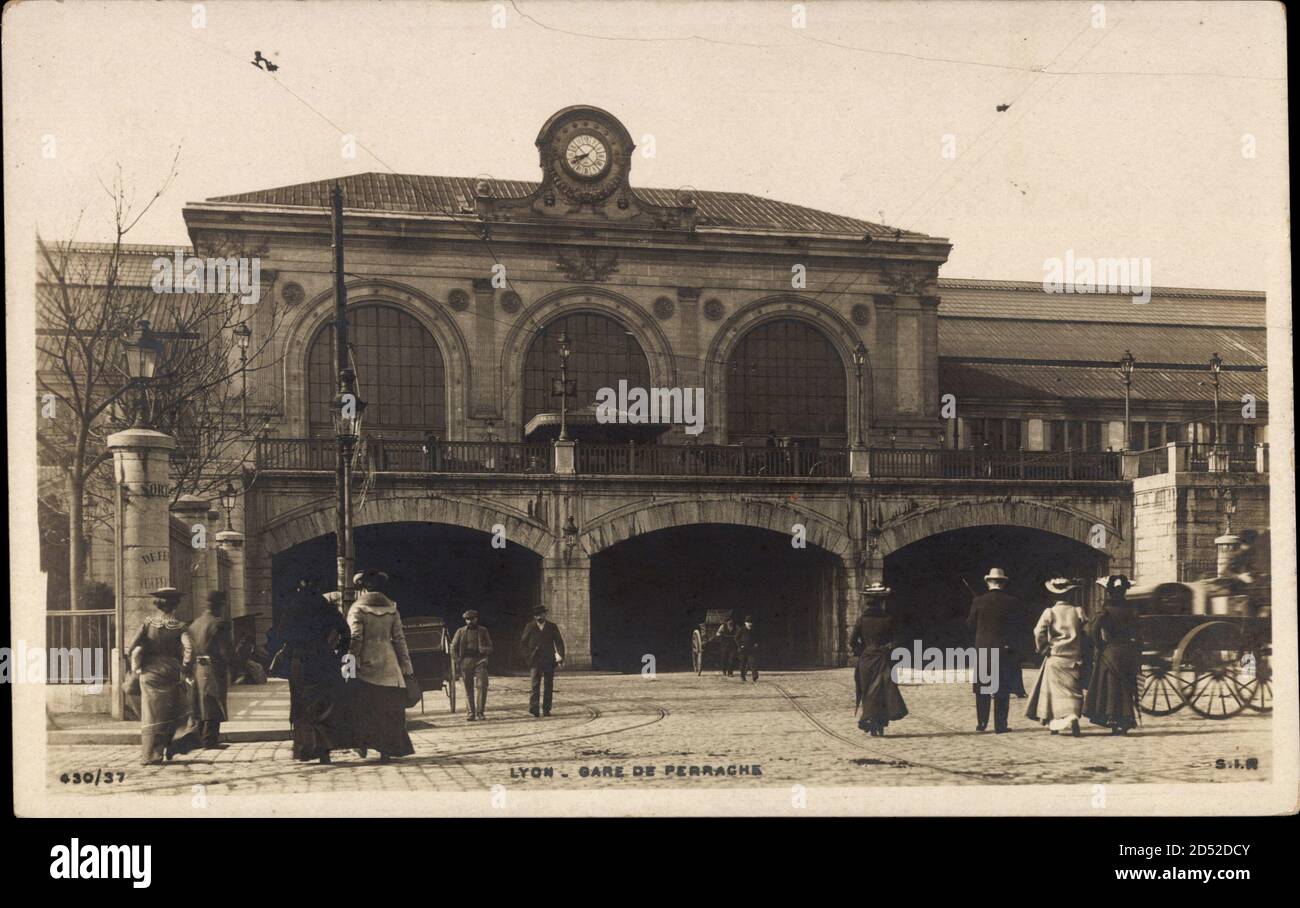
213	658
378	642
877	692
541	645
995	619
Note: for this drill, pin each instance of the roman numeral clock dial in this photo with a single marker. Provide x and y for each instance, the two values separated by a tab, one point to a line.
586	156
587	159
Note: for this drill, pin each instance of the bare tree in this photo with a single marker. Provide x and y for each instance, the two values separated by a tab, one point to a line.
89	299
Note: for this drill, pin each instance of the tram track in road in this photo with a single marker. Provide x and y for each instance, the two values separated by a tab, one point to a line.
1036	757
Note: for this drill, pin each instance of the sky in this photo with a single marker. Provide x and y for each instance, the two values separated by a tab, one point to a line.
1151	131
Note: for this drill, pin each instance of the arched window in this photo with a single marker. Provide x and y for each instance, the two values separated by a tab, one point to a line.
400	374
786	376
604	352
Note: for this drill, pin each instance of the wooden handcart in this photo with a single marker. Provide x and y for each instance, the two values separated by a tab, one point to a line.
430	648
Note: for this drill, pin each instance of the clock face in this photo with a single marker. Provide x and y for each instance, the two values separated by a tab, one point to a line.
586	156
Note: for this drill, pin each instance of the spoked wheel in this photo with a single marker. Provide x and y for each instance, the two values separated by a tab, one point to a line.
1256	683
1160	691
450	684
1212	653
697	652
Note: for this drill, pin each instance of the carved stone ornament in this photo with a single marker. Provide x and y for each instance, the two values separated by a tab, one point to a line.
587	265
458	299
861	314
664	307
714	310
293	294
510	302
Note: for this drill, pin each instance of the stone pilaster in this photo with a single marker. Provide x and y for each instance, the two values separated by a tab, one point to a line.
232	543
566	593
193	512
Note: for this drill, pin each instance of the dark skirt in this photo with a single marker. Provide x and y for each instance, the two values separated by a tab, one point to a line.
1112	694
379	718
878	694
166	722
316	710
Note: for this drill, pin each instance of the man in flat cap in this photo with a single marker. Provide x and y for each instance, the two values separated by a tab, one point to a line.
470	648
213	657
543	649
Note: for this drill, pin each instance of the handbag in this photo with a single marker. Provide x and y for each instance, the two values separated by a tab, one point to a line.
413	692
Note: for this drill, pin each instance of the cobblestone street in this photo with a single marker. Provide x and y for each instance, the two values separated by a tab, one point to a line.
793	728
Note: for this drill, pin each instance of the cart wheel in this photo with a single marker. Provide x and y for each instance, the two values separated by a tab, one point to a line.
1159	691
1212	653
697	652
451	693
1257	684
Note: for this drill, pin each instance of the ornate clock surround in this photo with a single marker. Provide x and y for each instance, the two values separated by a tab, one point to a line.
558	134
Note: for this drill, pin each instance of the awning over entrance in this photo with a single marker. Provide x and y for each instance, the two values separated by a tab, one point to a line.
583	426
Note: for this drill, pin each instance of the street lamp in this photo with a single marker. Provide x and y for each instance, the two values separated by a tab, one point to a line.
143	349
228	496
1216	366
242	334
859	360
1126	365
347	409
565	351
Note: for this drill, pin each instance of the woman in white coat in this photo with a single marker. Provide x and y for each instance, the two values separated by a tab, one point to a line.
1057	697
383	663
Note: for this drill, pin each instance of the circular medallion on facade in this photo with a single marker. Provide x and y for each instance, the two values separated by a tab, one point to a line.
714	310
458	299
664	307
861	314
293	294
510	302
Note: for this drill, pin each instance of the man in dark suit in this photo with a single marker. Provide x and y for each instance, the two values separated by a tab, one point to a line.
995	618
213	656
747	646
543	649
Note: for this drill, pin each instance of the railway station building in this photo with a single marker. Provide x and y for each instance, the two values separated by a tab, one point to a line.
866	418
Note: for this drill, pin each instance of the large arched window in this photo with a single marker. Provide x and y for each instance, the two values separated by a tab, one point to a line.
400	374
785	375
604	352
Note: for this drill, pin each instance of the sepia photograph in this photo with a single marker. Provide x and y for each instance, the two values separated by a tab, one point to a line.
648	409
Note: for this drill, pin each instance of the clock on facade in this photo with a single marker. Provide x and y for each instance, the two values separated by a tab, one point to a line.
587	154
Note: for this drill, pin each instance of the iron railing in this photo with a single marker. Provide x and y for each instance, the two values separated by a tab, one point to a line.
79	643
710	460
944	463
401	456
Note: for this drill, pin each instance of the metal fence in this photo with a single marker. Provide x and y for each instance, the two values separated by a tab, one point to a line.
943	463
402	456
710	460
82	632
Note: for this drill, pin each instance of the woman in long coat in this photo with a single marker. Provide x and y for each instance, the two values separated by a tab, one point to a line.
314	635
383	663
1057	697
1112	694
161	654
877	692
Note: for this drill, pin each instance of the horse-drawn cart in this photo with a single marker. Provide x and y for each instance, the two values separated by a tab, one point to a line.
430	649
1206	646
704	638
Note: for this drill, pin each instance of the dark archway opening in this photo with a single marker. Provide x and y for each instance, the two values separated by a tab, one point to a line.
435	569
930	601
649	593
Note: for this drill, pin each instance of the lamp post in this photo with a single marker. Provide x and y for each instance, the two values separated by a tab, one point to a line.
142	349
1216	367
242	334
565	351
859	360
347	410
228	496
1126	365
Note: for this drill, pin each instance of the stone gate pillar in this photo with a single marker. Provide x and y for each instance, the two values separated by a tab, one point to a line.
566	593
200	565
141	459
232	543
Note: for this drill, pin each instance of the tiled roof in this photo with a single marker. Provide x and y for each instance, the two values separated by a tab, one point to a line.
407	193
1168	305
1007	381
1083	341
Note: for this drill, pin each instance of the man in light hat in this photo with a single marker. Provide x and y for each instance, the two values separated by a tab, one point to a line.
543	649
994	619
1057	697
470	648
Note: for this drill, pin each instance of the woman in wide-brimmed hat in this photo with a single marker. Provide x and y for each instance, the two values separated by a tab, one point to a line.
1057	697
314	635
877	691
377	702
1112	693
161	654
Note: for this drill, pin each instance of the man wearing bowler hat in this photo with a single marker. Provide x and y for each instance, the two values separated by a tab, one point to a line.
543	649
747	647
470	648
994	619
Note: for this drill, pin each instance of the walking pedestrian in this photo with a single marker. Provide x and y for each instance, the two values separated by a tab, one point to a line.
213	661
726	637
994	618
543	649
377	702
876	690
313	637
161	655
1057	698
1112	696
470	647
747	648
